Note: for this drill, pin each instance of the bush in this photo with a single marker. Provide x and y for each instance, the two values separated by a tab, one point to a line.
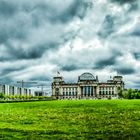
2	96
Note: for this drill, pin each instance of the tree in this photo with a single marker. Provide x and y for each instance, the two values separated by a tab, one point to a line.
130	91
120	92
2	96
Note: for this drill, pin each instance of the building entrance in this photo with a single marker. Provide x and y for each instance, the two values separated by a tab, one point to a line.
87	90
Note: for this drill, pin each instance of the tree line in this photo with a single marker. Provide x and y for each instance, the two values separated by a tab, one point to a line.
129	94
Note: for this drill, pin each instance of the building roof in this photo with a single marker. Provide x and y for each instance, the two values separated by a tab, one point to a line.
118	76
69	84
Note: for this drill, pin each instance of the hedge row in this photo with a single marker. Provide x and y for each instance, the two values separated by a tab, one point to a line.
22	98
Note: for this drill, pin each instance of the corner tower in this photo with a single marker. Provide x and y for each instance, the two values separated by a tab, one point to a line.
56	86
118	80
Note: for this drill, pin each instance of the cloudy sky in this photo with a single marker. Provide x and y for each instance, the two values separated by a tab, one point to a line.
40	37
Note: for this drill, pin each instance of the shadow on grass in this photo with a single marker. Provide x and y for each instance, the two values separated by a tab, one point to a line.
14	134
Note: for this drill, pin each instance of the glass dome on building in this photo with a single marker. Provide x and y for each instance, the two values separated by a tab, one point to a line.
86	77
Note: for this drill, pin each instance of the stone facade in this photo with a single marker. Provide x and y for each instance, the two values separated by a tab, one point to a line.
87	87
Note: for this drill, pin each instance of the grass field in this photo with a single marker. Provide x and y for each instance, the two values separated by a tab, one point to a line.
83	119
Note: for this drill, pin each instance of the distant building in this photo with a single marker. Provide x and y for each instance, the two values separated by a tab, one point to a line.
87	87
40	93
13	90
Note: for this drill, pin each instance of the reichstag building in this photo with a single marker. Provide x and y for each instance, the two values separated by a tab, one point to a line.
87	87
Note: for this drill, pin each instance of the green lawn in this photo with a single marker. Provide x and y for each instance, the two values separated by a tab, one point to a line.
83	119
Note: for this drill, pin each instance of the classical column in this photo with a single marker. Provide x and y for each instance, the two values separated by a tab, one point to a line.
95	91
84	90
90	91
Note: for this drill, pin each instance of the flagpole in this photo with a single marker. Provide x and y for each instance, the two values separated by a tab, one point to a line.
58	73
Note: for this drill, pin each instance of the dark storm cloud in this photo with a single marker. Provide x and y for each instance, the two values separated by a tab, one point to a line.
43	11
125	70
7	9
11	69
40	78
30	53
133	4
137	55
77	8
108	60
69	67
10	25
100	64
11	32
123	1
17	54
107	26
136	32
34	52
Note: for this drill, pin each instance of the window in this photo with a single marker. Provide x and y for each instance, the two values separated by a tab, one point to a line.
112	92
57	89
66	93
63	93
73	93
3	89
